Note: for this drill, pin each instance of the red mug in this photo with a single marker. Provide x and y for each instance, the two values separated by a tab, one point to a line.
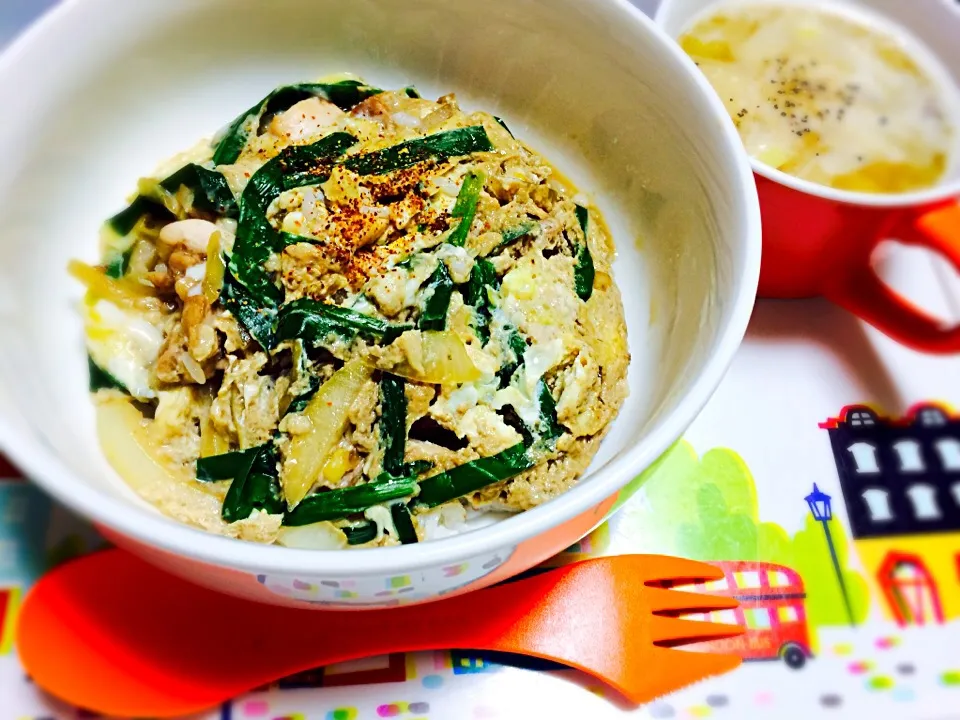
814	244
819	241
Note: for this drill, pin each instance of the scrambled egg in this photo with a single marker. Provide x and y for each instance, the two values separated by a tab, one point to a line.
123	343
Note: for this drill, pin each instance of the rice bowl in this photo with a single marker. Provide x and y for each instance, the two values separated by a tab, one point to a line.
620	110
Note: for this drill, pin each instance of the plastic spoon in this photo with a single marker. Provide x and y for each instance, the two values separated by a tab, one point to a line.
117	636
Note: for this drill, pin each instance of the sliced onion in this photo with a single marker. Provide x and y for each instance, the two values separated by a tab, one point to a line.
439	357
328	413
142	258
211	441
120	292
134	454
319	536
215	268
405	119
446	185
309	204
441	522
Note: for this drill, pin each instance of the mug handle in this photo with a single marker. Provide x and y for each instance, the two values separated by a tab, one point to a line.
864	294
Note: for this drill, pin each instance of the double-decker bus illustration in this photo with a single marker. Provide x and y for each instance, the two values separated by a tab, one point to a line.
771	611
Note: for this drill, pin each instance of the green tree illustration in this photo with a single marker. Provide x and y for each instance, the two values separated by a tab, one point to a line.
706	509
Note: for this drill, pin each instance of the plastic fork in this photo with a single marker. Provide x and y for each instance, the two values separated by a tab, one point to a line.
116	636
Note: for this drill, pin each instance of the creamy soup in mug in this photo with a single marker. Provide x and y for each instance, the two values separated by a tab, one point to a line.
827	98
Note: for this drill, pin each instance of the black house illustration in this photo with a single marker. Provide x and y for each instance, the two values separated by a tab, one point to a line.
898	477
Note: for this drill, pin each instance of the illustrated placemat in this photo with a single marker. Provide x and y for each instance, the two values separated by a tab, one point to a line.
823	478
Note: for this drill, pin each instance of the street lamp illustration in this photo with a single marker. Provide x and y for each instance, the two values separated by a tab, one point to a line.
822	511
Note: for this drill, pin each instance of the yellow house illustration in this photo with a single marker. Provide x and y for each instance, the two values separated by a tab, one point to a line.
918	577
900	479
9	604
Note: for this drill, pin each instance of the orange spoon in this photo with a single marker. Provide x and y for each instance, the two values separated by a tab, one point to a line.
117	636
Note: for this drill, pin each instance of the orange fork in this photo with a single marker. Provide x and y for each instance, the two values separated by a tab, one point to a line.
117	636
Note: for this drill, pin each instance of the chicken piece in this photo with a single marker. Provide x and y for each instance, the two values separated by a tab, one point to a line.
458	260
580	408
405	210
375	108
356	226
301	211
306	120
441	458
198	324
442	115
192	234
396	289
310	270
191	347
259	527
419	398
363	416
162	279
176	425
247	406
486	431
389	290
259	150
236	337
169	368
543	482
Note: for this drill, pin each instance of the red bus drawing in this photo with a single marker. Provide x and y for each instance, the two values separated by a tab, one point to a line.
771	610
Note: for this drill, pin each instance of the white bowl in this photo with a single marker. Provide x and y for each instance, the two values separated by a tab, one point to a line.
101	90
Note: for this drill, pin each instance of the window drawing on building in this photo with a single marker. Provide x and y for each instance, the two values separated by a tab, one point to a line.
864	458
949	451
898	477
910	590
878	505
908	452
